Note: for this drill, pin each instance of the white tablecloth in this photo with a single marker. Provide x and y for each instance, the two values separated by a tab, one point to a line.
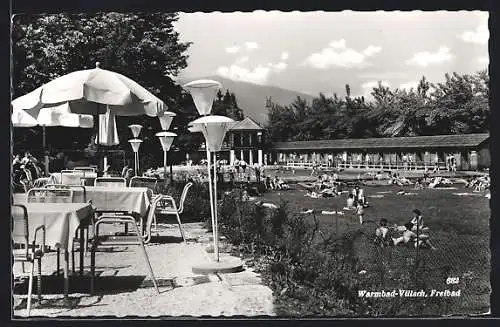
129	199
61	220
70	179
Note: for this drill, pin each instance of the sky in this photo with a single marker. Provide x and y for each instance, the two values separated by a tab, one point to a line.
314	52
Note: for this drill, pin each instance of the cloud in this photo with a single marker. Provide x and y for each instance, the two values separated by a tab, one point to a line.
426	58
371	50
251	45
340	44
483	60
479	36
337	54
371	84
258	75
284	55
241	60
233	49
409	85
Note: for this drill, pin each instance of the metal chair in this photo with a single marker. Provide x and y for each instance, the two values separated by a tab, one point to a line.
148	182
26	251
49	195
118	182
113	240
165	205
141	181
41	182
86	169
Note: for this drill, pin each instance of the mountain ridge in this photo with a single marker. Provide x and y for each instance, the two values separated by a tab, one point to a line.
251	97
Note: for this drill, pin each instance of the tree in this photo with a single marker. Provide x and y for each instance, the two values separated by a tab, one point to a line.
144	47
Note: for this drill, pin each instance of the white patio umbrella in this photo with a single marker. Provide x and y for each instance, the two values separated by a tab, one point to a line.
95	91
214	129
58	115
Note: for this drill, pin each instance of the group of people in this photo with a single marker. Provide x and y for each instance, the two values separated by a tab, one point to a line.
410	233
26	168
356	201
479	184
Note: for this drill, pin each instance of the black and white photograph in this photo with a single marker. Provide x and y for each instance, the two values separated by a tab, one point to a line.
325	164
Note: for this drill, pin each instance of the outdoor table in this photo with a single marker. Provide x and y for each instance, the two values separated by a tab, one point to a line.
71	179
61	221
118	199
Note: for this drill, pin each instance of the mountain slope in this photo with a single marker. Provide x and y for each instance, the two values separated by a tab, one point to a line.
252	97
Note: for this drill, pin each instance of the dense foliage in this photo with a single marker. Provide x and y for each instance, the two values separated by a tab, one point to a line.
459	105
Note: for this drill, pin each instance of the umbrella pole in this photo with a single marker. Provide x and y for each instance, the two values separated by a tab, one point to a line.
216	243
45	155
211	197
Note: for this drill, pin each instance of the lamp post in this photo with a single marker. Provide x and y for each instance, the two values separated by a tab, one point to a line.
214	129
135	143
166	140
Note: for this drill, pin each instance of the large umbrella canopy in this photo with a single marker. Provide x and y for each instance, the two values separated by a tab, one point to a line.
58	115
214	129
94	91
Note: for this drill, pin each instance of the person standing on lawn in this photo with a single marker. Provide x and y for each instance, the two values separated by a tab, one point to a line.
360	212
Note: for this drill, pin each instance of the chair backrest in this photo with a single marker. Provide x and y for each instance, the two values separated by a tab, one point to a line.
20	230
118	182
180	209
78	197
50	195
89	169
140	181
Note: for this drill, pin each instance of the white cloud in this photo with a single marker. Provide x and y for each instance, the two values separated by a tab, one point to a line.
340	44
284	55
251	45
233	49
409	85
258	75
280	66
371	50
480	35
483	60
338	55
426	58
241	60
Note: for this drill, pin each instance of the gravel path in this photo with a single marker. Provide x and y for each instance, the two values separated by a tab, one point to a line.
124	288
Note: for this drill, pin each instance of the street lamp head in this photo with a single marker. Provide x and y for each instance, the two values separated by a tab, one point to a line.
166	140
214	130
135	143
136	129
166	119
203	93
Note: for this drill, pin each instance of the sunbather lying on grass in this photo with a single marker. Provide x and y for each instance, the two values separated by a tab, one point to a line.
409	237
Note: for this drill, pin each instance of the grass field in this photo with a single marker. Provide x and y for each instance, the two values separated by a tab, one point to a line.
458	227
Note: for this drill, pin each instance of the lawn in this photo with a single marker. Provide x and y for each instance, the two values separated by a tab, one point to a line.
458	227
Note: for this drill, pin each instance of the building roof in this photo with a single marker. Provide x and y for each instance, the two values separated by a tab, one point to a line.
436	141
246	124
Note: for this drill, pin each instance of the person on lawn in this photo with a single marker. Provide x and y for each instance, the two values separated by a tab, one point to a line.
417	220
350	202
382	233
410	237
360	212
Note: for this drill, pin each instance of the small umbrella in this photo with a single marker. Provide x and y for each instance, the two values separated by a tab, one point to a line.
58	115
